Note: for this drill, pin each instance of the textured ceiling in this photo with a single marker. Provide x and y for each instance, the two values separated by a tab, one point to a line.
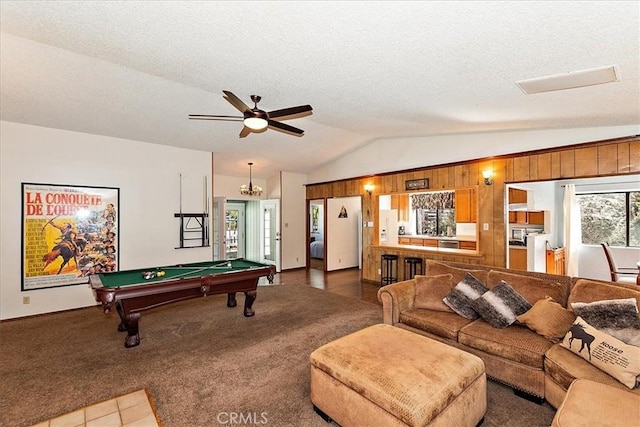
370	70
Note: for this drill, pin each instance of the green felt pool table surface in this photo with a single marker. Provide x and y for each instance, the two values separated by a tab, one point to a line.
191	270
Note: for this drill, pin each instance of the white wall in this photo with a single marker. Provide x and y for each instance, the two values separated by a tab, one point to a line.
390	155
148	177
342	233
229	187
293	220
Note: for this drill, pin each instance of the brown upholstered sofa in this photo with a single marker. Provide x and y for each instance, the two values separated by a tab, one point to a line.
515	355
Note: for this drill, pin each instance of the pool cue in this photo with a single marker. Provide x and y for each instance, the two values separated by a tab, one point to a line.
181	217
195	271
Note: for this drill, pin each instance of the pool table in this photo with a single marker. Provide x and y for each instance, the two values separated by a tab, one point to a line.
132	293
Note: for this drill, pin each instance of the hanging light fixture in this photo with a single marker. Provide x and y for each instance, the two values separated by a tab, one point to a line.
251	190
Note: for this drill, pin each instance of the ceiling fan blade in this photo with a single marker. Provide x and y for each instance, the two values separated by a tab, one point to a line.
236	102
215	117
244	132
285	128
300	111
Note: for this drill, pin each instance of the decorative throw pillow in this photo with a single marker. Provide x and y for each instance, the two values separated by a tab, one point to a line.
462	295
430	290
500	305
435	268
549	319
616	317
603	351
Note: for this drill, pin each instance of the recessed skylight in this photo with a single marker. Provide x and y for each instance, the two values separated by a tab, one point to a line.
574	79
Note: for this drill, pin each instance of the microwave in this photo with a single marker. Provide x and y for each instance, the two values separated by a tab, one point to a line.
519	234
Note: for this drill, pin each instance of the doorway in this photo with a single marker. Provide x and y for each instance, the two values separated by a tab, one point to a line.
317	234
270	232
234	230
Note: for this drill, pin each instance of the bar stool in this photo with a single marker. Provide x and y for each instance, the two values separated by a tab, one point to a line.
412	266
389	263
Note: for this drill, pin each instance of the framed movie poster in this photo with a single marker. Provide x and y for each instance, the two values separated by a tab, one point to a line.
68	233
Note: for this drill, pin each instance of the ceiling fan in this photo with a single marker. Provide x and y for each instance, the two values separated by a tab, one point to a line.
257	120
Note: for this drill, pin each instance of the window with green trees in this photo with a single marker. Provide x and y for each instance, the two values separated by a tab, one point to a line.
610	217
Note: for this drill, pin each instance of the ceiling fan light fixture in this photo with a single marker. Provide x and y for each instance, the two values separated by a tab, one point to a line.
255	123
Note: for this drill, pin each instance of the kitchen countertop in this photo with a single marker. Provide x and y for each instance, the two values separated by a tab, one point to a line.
417	248
469	238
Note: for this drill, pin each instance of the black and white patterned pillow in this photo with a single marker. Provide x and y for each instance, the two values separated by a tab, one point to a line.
500	305
616	317
462	295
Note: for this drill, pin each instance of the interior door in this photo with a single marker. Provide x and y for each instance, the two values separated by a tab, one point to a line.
270	232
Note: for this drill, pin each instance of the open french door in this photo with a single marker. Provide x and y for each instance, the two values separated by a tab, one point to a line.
270	232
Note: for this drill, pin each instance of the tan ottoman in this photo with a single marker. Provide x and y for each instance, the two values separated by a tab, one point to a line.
383	375
589	403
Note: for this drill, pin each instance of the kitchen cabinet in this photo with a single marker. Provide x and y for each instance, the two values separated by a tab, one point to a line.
466	203
517	196
518	258
430	242
536	217
526	217
555	261
401	203
464	244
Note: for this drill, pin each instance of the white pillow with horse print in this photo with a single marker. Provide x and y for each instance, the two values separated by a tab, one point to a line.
607	353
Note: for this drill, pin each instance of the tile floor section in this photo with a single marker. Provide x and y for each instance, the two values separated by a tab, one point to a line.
130	410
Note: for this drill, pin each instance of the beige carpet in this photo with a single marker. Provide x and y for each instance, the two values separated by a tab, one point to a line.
202	362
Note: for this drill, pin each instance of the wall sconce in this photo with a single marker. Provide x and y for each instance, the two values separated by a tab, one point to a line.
369	188
488	177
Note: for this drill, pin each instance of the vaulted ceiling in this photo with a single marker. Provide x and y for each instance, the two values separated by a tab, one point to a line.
371	70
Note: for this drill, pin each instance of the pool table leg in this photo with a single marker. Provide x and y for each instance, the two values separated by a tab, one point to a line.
249	298
130	324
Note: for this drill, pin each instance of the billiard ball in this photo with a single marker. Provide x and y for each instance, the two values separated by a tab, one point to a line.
148	275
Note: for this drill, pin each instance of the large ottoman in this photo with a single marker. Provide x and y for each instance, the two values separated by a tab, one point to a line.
384	375
589	403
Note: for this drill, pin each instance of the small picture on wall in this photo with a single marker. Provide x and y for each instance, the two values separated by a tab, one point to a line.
68	233
343	213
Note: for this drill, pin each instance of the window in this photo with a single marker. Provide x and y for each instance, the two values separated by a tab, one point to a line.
610	217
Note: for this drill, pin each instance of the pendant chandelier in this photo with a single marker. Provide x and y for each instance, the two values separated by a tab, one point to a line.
251	190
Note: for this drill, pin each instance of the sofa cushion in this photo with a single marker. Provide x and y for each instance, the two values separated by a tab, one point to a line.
563	367
463	294
618	318
440	323
605	352
431	290
585	290
592	404
549	319
531	288
500	305
434	268
516	343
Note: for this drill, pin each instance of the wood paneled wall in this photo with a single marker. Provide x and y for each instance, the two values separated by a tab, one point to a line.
604	158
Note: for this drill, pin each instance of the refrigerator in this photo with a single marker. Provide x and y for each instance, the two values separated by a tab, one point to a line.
388	228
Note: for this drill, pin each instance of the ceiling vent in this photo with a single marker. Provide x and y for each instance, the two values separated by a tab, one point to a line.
574	79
